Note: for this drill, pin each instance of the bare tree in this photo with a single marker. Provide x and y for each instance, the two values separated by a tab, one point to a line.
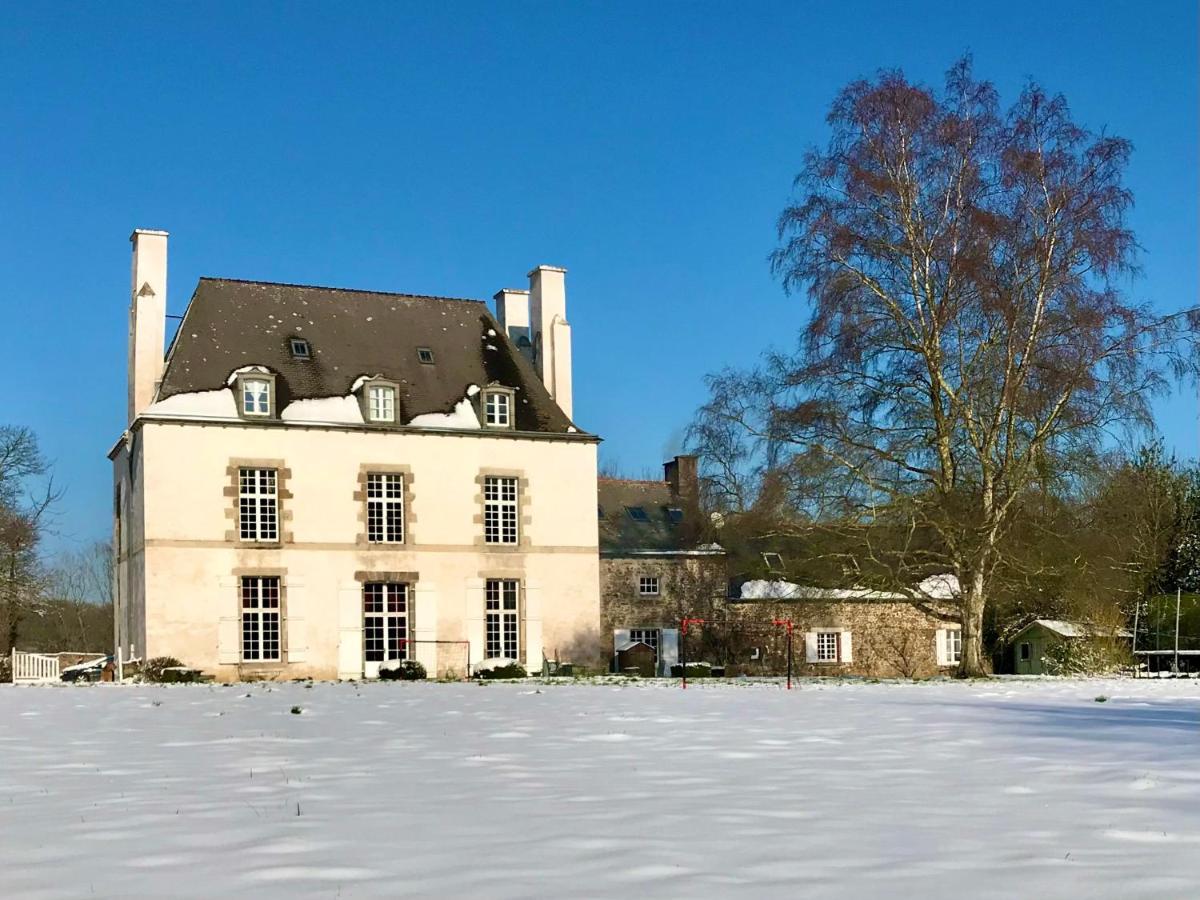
26	497
969	343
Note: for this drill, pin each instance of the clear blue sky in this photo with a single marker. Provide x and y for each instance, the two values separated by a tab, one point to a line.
446	148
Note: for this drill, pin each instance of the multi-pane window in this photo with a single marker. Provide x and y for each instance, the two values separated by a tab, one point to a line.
385	621
258	505
953	646
260	618
648	636
501	624
381	403
497	409
648	585
385	508
499	510
256	397
827	646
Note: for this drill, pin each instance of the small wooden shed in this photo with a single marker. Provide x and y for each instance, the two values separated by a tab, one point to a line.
1031	643
639	657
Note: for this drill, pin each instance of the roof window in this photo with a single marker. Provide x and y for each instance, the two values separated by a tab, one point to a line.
637	513
425	355
300	348
773	562
675	514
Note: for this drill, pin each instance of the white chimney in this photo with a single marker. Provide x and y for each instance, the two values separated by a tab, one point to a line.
147	317
512	311
551	333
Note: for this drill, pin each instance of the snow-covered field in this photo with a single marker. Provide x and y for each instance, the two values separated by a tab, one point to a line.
1002	789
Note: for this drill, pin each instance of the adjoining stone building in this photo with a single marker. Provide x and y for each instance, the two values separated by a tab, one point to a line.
654	567
317	480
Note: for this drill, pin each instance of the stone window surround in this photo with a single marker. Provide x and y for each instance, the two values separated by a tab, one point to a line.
360	498
233	509
524	519
239	399
364	402
270	666
482	396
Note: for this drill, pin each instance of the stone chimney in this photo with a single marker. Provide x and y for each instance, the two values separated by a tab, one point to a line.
551	335
682	474
147	317
512	311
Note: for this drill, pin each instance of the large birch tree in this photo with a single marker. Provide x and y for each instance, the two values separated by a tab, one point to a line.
970	340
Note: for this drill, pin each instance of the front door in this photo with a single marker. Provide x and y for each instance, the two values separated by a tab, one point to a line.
385	625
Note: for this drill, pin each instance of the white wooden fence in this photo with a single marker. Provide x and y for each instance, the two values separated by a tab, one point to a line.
33	668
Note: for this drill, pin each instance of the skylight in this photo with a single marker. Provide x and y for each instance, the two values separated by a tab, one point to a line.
425	355
773	561
637	513
300	348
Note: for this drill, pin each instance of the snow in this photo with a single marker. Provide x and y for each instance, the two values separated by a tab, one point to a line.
946	789
341	410
247	370
786	590
940	587
1075	629
218	404
461	417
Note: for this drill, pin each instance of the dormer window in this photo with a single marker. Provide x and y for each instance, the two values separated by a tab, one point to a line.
381	403
497	408
300	348
256	396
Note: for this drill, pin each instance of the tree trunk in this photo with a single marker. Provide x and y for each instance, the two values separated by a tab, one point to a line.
971	664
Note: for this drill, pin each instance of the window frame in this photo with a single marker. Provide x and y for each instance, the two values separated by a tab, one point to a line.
389	498
305	354
501	513
822	637
953	646
244	379
425	356
506	620
643	583
257	500
386	592
260	614
496	393
384	388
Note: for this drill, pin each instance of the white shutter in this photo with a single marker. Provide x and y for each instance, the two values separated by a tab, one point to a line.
810	647
297	637
229	640
668	650
350	648
941	648
847	648
532	611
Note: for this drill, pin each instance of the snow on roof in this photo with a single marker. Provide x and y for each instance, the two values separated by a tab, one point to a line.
935	587
786	590
1067	629
323	409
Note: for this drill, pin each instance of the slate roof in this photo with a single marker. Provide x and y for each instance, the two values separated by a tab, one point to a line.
620	533
230	324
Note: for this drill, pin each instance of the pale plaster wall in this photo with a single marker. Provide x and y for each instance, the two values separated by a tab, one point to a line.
191	567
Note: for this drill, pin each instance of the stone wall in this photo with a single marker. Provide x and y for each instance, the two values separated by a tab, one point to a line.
888	639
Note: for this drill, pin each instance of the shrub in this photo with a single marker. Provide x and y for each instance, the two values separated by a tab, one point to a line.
5	669
1085	656
696	670
511	670
154	669
402	670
